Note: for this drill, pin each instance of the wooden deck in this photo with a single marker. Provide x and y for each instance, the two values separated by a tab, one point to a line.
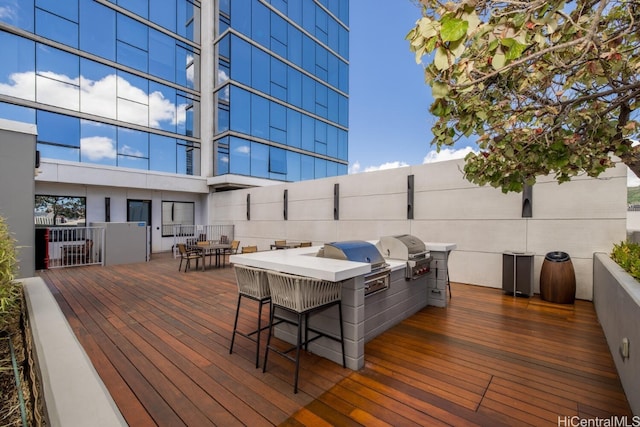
159	339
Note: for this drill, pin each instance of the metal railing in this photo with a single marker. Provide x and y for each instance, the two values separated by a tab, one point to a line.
74	246
201	233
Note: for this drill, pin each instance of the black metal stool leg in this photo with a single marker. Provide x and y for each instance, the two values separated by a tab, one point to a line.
259	333
235	325
295	383
266	351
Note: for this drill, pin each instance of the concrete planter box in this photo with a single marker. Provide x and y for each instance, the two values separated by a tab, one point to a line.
616	297
74	394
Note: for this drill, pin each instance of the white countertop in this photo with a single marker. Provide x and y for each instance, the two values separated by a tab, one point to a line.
304	262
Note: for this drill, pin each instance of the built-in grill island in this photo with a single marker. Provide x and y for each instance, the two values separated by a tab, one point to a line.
376	292
361	251
406	247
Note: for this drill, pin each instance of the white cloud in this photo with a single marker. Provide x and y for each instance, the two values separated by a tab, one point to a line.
96	148
356	167
105	97
446	154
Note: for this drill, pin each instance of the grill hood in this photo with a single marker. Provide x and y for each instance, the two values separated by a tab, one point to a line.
403	246
353	250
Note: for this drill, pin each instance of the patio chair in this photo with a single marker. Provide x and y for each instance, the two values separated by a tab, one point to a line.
305	244
249	249
301	296
253	284
235	245
187	256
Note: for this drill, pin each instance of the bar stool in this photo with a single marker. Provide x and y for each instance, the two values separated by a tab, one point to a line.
301	296
253	284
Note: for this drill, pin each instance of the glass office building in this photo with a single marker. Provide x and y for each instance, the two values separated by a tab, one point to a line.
248	88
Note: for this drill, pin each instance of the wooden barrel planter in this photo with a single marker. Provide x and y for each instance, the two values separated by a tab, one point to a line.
558	279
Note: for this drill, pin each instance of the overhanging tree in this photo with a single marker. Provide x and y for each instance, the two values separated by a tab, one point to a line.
548	87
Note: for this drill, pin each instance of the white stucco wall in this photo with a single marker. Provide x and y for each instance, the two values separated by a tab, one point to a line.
581	217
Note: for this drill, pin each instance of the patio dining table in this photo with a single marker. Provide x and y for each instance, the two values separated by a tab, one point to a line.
210	249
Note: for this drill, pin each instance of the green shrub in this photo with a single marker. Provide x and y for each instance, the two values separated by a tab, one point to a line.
627	256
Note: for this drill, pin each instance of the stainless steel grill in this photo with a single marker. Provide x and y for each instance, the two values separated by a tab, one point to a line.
407	248
361	251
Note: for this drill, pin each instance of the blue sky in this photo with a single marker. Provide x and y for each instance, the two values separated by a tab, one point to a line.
389	119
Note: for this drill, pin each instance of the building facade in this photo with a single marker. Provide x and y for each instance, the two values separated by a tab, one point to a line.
142	104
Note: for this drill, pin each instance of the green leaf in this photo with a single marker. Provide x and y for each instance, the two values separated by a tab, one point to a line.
441	59
439	90
453	28
499	60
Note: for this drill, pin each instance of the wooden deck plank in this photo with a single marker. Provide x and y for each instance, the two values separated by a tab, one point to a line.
160	338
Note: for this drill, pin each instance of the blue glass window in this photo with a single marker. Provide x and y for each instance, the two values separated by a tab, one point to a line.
343	146
343	104
57	78
322	26
333	35
259	160
261	24
308	94
278	131
139	7
133	162
17	113
19	14
332	141
223	113
17	68
56	28
294	87
186	15
277	160
67	9
133	99
98	143
223	158
97	29
321	137
309	16
279	35
164	13
322	64
260	67
133	143
308	133
281	5
132	32
308	54
58	129
162	55
333	76
294	128
239	154
320	170
240	106
295	10
332	168
293	166
322	100
306	167
187	158
131	56
163	111
241	56
259	116
294	47
241	16
184	66
278	79
162	153
98	89
333	105
343	77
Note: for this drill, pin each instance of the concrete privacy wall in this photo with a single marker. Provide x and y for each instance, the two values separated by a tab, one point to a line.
581	217
617	302
17	166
